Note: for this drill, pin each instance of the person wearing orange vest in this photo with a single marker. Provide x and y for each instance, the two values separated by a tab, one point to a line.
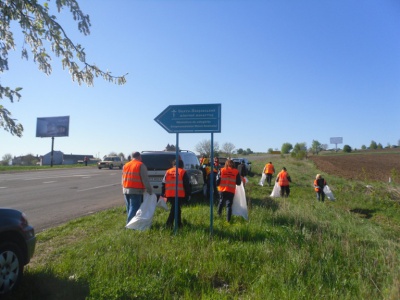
135	182
269	170
319	184
169	190
283	180
227	179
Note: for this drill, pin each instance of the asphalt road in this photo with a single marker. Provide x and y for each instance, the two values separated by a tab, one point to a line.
53	197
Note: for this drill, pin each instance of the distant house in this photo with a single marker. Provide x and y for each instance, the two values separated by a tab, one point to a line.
60	158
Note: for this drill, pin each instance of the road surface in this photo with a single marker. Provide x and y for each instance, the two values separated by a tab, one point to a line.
52	197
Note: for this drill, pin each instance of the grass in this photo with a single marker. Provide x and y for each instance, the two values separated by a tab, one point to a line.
291	248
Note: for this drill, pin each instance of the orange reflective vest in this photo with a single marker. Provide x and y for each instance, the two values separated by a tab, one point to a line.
170	181
228	180
316	186
269	169
208	170
283	178
131	175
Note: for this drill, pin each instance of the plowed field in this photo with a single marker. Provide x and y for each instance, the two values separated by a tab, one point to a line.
377	166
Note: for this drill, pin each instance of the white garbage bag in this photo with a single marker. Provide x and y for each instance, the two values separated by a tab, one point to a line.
239	205
162	202
262	180
144	216
276	191
328	193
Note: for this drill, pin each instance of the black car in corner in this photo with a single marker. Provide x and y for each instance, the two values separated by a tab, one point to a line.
17	245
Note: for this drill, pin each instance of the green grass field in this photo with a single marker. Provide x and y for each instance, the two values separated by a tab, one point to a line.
293	248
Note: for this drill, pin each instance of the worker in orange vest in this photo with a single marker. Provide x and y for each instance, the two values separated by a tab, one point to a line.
169	190
319	184
269	170
227	179
135	182
283	180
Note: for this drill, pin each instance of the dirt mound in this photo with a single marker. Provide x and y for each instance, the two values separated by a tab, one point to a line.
378	166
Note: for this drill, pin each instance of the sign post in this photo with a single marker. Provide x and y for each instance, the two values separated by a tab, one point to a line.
194	118
336	140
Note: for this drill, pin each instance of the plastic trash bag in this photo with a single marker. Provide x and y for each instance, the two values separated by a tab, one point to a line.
328	193
276	191
262	180
162	202
239	205
144	216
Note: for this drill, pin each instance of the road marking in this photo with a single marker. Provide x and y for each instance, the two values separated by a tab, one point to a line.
99	187
49	181
3	187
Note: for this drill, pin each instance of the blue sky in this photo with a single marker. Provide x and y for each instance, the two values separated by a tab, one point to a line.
283	72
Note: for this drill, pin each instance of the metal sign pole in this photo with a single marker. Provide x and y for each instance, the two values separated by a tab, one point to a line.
176	183
212	184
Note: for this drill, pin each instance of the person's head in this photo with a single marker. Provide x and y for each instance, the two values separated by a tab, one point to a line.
229	163
318	176
284	169
136	155
180	163
270	163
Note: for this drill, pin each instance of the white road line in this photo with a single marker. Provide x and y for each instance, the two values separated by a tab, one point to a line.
49	181
99	187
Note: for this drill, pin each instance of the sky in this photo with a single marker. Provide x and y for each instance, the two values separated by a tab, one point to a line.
283	71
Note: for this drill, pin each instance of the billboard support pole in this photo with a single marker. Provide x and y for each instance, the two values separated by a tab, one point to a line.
52	151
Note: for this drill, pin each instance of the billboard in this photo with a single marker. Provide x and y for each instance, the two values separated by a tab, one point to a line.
336	140
52	127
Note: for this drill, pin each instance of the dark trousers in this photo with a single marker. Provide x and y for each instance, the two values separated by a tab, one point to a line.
320	195
269	178
171	217
226	198
285	191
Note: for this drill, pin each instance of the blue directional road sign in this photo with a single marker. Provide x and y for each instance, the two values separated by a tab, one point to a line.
195	118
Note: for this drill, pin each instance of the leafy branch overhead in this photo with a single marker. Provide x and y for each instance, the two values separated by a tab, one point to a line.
37	27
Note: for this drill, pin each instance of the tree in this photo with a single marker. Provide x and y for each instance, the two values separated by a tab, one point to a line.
316	146
228	148
299	151
6	159
286	147
38	27
204	147
347	149
170	148
373	145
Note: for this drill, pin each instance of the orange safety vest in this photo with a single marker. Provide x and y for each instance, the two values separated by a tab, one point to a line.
208	170
170	181
131	175
283	178
269	169
316	187
228	180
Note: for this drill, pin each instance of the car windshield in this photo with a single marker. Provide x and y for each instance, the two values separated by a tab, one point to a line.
157	161
107	159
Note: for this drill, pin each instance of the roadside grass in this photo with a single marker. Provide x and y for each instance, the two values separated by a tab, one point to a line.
294	248
46	167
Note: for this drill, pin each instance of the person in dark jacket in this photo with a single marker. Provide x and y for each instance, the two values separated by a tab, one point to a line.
169	190
319	184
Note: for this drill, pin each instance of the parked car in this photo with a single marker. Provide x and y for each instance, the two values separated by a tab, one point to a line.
247	163
17	245
158	162
110	162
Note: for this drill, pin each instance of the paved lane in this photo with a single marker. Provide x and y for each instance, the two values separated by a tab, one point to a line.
52	197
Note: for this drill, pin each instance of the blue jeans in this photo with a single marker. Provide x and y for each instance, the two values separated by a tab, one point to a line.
132	202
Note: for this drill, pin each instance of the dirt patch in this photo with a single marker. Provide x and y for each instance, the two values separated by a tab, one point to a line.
377	166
